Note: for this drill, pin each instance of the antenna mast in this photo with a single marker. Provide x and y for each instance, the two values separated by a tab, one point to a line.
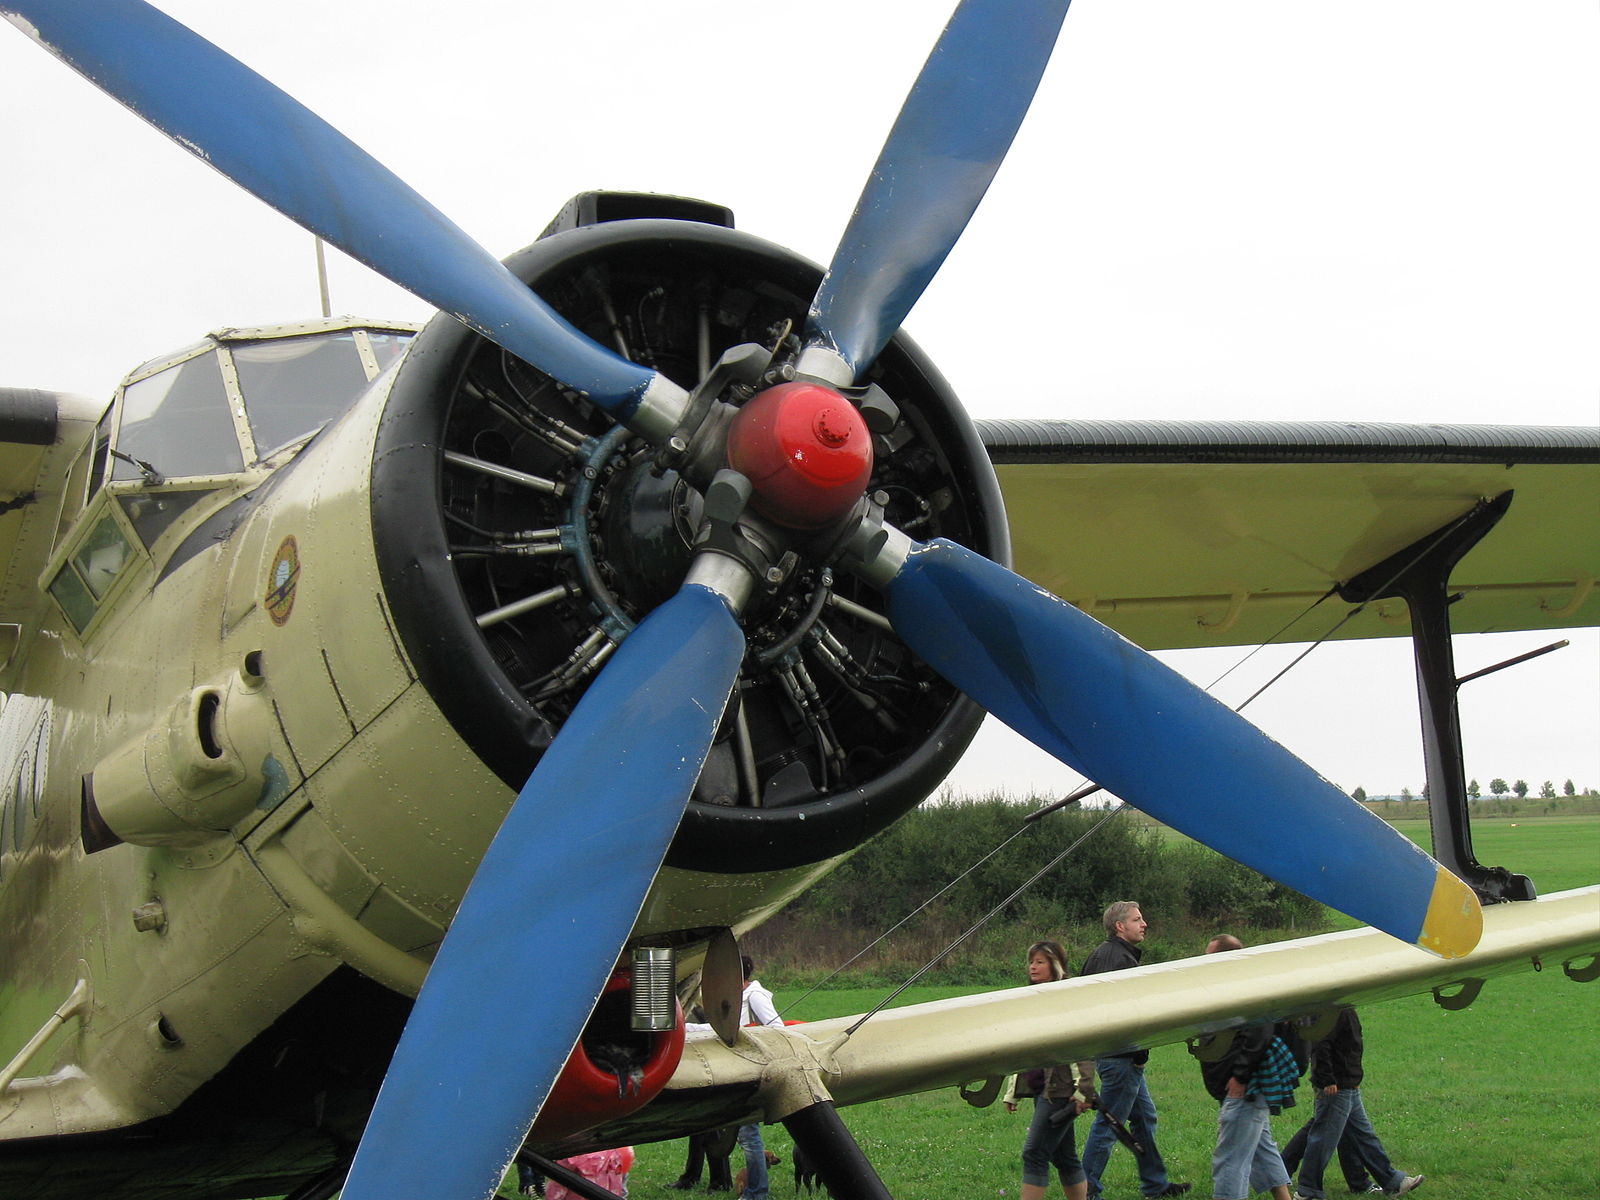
322	278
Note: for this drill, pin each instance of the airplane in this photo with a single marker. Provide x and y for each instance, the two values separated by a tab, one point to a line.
377	583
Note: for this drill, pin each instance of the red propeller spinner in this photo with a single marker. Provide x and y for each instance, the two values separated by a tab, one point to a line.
807	451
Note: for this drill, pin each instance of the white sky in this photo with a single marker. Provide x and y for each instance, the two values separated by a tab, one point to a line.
1245	208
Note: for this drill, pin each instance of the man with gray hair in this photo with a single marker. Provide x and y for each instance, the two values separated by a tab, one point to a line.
1123	1094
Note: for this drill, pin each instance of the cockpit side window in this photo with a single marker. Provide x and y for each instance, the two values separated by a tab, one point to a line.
292	386
99	558
178	422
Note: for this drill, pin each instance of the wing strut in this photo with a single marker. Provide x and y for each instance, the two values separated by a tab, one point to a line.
1420	575
845	1171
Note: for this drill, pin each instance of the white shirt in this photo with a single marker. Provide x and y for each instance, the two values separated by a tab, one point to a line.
755	1008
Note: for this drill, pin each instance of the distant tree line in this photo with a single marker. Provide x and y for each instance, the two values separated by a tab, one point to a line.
1491	806
1497	787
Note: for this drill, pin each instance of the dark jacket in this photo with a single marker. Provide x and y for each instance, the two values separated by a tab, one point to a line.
1239	1061
1114	954
1336	1061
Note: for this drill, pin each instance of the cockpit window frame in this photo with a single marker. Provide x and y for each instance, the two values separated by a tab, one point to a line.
220	344
255	455
108	499
229	396
63	573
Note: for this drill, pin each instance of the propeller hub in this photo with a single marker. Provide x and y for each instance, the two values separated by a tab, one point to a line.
806	449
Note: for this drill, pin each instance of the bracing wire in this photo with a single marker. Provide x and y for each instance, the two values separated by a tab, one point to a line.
1021	829
986	918
1354	612
1272	640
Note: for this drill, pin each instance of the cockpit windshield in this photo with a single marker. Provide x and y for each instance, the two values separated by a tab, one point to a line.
292	386
184	430
180	422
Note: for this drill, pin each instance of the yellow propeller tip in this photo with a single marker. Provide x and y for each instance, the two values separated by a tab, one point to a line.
1454	921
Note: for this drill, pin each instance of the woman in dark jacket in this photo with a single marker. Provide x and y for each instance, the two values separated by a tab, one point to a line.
1059	1094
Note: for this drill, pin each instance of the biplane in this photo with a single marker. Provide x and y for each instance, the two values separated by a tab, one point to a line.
401	724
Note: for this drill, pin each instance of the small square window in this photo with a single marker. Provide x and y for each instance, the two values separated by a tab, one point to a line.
102	556
73	597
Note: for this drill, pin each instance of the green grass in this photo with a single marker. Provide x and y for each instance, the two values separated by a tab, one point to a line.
1556	852
1491	1103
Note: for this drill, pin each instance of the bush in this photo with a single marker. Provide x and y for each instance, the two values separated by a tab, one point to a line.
1225	893
962	858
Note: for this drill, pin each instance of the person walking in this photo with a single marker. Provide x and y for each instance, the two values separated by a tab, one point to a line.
1252	1079
1341	1118
1059	1095
1123	1093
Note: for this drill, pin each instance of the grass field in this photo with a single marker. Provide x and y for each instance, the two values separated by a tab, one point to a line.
1492	1103
1556	852
1496	1102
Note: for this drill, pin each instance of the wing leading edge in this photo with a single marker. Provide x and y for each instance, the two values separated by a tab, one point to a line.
1182	534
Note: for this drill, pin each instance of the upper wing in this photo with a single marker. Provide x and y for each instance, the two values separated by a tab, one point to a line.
774	1072
1180	534
41	437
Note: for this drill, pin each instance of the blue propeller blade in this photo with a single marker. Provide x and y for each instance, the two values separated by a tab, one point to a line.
538	932
267	142
1139	729
946	144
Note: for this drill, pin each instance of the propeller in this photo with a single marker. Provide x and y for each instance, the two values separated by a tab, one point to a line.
945	147
480	1052
1108	709
557	893
281	152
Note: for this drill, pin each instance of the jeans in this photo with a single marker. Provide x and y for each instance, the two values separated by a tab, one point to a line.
1341	1118
1246	1158
755	1162
1356	1177
1050	1144
1123	1094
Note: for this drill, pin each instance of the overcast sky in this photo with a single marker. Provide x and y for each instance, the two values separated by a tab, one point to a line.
1271	209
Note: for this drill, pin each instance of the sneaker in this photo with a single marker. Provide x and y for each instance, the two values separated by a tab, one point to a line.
1412	1182
1173	1189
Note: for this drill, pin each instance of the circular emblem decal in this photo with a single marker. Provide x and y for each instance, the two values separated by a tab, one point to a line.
282	580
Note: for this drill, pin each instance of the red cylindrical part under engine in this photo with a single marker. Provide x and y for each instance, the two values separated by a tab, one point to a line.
589	1092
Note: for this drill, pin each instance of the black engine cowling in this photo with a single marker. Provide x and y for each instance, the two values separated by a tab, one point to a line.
520	534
